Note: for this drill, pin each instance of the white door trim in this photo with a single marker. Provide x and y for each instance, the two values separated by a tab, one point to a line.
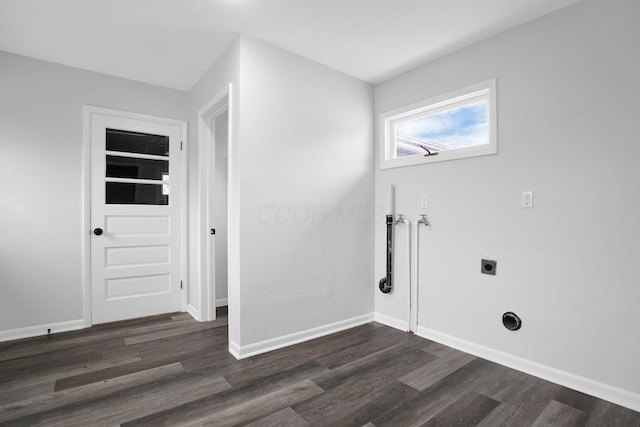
206	250
88	110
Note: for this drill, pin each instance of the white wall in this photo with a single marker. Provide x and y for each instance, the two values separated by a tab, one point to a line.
568	113
306	161
41	182
220	208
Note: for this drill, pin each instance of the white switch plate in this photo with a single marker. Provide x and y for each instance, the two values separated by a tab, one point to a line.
424	202
526	200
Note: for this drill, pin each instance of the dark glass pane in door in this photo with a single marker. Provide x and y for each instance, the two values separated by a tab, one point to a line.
135	142
125	193
130	167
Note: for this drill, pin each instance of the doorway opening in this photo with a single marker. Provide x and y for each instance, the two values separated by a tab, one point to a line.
218	182
214	137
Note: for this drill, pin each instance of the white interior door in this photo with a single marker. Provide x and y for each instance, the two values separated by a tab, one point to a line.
135	218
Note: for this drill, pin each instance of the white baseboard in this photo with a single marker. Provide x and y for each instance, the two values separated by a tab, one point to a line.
393	322
242	352
222	302
234	349
594	388
194	312
34	331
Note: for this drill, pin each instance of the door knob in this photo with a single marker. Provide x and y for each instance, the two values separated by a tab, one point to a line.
97	231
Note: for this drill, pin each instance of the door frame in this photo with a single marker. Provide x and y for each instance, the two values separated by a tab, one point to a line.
88	111
207	115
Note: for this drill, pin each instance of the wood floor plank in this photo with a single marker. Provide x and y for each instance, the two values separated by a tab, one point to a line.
380	401
369	343
431	401
257	408
430	374
229	398
26	390
558	414
351	389
218	356
182	316
504	415
92	391
181	344
51	373
503	384
369	364
438	349
248	370
172	332
257	372
286	417
467	411
83	378
576	399
610	415
525	403
84	337
211	347
131	403
57	360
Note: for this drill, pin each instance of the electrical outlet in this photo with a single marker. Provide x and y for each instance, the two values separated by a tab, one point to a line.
424	202
526	200
488	266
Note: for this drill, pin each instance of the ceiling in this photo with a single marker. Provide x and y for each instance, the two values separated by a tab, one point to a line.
172	43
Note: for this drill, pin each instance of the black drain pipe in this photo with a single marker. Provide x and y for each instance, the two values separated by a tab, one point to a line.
386	283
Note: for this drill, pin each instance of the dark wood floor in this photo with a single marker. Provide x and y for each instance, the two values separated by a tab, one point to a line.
171	370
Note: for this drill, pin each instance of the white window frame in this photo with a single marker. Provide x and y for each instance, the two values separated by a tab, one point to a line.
481	91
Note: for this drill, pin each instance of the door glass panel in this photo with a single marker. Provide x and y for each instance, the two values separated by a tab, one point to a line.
135	142
126	193
130	167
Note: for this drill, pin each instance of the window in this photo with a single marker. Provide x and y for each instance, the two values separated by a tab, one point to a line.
137	168
452	126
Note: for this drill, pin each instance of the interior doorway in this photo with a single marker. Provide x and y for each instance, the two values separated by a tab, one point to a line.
218	256
214	136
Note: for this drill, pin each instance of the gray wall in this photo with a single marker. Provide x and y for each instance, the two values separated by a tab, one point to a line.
568	113
41	181
306	159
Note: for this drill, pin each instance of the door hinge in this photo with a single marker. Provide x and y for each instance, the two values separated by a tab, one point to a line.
180	284
180	145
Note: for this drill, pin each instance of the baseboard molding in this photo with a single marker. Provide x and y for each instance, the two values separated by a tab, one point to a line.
585	385
194	312
222	302
393	322
242	352
39	330
234	349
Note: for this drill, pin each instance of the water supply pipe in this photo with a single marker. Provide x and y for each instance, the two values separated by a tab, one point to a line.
402	220
386	283
413	311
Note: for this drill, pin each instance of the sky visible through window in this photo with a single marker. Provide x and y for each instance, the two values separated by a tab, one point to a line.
460	127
